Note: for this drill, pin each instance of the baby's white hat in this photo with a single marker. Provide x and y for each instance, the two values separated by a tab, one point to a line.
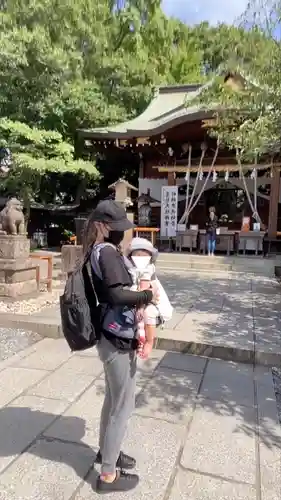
143	244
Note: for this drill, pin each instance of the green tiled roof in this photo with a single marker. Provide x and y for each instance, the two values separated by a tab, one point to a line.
168	108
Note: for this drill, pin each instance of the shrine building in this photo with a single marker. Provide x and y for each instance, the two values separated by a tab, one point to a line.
170	145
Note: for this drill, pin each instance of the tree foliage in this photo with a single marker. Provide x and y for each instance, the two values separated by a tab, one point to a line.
39	155
66	65
249	119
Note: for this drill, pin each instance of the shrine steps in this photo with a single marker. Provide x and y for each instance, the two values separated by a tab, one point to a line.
257	265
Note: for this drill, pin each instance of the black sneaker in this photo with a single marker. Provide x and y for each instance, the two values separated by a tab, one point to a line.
123	461
123	482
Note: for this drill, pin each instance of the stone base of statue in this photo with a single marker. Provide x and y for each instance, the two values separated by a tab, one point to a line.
70	256
128	234
17	270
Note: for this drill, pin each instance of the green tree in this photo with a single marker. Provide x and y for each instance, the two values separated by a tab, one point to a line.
43	166
248	120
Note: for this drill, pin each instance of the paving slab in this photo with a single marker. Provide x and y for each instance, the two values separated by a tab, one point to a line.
146	368
14	381
183	362
14	340
48	355
88	407
91	366
62	384
199	322
191	486
15	358
218	443
22	421
232	383
80	423
50	470
169	395
269	431
270	459
160	443
265	393
88	352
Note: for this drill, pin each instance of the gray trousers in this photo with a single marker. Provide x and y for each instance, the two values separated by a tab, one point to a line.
120	387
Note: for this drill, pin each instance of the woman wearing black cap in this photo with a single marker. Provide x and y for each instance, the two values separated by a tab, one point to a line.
108	222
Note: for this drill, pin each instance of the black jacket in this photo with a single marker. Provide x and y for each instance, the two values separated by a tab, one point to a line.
212	225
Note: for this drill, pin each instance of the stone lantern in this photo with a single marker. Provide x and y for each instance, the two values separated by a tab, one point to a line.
123	190
145	210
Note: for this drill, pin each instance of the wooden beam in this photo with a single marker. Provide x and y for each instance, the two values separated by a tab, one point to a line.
273	202
218	168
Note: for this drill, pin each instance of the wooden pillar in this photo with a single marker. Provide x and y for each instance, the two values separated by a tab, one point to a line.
171	179
273	202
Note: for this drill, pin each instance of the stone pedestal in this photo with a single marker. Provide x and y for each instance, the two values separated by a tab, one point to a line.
70	255
128	234
17	270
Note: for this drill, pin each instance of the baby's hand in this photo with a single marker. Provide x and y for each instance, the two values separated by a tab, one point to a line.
140	314
146	350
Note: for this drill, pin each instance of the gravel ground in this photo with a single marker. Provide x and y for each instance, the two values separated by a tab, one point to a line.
14	340
30	306
276	373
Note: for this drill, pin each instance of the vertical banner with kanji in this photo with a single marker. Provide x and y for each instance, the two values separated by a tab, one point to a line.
169	211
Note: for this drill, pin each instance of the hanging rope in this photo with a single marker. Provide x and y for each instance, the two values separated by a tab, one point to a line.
206	180
253	207
188	178
186	213
255	187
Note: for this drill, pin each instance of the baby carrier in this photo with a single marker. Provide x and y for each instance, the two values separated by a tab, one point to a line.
121	320
117	320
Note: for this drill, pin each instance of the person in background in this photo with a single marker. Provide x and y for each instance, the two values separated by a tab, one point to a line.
212	227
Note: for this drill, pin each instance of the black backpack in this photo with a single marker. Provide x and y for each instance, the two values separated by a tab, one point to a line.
79	308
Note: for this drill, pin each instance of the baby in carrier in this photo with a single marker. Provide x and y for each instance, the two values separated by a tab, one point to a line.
142	256
120	321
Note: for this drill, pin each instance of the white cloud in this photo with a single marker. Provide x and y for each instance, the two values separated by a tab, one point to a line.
214	11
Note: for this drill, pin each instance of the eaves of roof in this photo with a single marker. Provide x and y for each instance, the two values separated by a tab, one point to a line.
168	108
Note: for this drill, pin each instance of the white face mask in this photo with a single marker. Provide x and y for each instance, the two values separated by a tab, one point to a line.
141	261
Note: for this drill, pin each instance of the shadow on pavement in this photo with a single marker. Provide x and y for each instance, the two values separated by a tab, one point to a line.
21	425
238	311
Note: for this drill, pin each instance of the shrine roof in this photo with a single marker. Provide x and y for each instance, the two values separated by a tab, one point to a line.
168	108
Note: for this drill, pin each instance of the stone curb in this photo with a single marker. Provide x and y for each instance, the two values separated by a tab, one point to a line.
51	328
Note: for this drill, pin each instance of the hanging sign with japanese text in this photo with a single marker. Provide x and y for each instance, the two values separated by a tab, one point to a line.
169	211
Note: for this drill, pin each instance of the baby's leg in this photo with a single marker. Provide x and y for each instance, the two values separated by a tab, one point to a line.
150	322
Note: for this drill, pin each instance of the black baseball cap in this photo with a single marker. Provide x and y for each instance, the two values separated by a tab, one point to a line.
113	213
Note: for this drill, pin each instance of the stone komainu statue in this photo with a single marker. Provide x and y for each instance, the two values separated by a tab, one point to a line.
12	218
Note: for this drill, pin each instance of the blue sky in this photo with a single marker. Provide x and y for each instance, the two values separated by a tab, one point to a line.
214	11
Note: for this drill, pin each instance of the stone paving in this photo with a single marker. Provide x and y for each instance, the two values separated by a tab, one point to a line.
202	429
14	340
228	315
240	312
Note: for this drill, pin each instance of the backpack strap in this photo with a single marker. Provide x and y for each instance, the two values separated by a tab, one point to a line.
128	263
95	257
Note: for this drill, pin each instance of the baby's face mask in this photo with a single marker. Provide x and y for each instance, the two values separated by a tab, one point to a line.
141	261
